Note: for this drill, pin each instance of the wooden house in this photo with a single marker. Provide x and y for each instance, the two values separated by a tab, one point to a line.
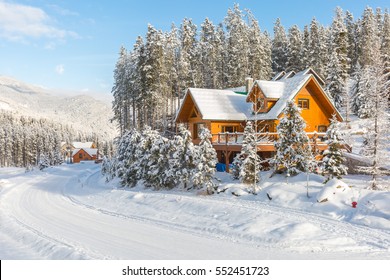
84	154
225	112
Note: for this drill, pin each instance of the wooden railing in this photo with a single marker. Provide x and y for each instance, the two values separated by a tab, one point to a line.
236	138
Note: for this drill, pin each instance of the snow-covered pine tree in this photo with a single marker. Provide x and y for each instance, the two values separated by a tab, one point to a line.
119	90
352	34
294	47
279	47
206	159
147	155
368	40
155	165
125	163
333	160
250	161
183	159
259	51
44	162
293	152
318	48
335	81
237	68
208	54
305	51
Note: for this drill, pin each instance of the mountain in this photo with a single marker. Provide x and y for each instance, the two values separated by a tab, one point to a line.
82	112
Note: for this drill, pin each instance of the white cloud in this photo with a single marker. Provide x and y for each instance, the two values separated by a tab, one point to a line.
60	69
19	22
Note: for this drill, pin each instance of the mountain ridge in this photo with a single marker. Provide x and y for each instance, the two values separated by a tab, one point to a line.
82	112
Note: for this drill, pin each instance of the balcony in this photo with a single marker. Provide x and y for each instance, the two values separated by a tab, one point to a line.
265	141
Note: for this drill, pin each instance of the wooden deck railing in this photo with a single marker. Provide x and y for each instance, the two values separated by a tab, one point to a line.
236	138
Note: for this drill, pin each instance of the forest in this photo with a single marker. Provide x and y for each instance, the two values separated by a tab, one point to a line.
151	77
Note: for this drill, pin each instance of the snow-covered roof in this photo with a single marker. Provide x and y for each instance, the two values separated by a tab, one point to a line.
238	89
216	104
82	145
91	152
284	90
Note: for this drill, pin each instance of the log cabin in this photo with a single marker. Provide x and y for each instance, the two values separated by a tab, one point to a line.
84	154
225	112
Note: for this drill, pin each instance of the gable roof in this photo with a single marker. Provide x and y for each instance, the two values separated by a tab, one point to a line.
82	145
217	104
214	104
285	90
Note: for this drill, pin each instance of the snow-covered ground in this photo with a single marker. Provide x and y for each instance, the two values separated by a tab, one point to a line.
69	212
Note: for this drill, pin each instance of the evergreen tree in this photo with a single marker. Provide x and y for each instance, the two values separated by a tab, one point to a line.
205	163
44	162
333	158
183	158
250	166
279	47
335	81
293	152
237	68
294	59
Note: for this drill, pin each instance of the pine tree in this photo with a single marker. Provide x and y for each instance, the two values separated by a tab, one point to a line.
333	157
183	158
250	165
279	48
125	166
237	68
293	152
44	162
335	81
205	162
294	59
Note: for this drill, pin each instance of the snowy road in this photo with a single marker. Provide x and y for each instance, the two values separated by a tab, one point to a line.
68	213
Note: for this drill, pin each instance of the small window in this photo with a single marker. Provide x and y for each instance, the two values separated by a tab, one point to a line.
303	103
80	155
322	128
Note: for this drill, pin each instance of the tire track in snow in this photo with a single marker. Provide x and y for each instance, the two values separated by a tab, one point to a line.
375	239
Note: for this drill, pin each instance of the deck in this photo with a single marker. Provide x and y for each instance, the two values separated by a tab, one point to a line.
227	143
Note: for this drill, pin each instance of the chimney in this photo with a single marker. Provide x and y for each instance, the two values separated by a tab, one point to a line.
248	84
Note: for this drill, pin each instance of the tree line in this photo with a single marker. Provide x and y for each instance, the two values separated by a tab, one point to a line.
150	79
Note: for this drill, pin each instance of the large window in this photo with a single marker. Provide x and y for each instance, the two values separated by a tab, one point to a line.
303	103
229	128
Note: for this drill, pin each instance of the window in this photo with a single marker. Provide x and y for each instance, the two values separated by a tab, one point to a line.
260	103
322	128
303	103
80	155
197	128
229	128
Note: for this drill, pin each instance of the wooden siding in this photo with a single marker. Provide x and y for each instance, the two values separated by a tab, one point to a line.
82	155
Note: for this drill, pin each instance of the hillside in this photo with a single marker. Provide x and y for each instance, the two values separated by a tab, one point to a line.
83	113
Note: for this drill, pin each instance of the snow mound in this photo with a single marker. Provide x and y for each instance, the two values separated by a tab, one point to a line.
335	190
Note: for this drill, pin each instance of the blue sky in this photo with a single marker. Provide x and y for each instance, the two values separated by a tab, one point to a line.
73	44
